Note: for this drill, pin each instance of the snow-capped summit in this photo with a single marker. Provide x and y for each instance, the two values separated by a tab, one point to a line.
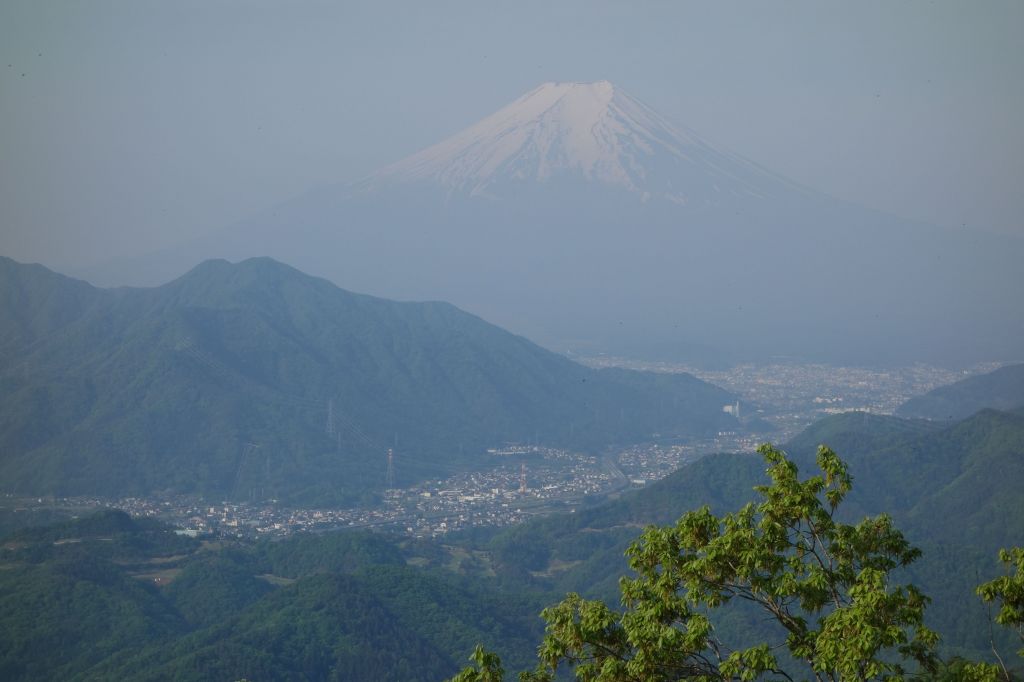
584	131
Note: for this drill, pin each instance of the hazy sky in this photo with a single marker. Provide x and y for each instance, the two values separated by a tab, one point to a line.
127	126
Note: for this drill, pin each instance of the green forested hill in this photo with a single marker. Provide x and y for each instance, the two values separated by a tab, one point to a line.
67	614
321	627
106	597
957	484
254	379
1002	389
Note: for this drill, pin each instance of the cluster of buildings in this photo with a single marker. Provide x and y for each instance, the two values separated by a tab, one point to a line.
645	463
784	397
535	480
539	481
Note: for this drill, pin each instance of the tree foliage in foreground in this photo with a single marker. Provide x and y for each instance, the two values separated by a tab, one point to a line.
829	586
1009	591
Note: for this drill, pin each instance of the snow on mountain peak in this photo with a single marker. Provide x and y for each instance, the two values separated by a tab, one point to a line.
593	131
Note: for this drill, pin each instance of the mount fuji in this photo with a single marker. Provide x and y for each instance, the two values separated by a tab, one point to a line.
590	132
583	219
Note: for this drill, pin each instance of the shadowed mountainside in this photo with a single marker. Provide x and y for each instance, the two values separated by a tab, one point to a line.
255	380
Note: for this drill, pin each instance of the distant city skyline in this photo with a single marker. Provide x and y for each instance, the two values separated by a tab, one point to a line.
130	127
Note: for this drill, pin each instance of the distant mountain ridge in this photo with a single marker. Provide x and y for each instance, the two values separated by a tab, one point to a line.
255	380
1002	389
582	219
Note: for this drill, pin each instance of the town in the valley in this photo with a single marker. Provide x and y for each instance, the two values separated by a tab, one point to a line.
521	481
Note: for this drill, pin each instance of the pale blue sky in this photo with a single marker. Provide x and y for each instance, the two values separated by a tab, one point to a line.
127	126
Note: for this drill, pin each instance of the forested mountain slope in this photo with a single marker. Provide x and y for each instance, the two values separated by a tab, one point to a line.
116	598
255	380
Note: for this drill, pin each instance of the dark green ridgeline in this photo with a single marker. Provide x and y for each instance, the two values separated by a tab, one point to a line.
78	601
255	381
